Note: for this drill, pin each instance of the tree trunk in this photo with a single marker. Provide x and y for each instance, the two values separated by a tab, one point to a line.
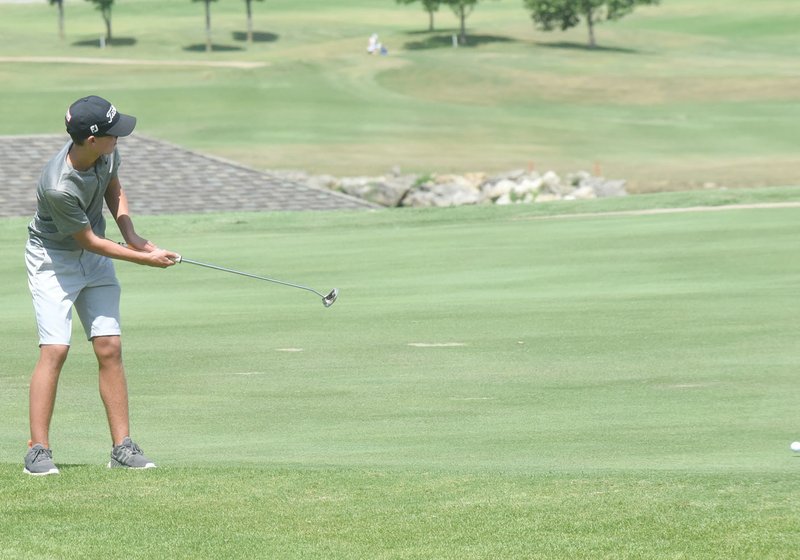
208	25
107	19
590	23
430	21
249	22
462	13
61	20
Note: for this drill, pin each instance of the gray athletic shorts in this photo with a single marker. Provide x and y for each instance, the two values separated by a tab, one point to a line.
59	280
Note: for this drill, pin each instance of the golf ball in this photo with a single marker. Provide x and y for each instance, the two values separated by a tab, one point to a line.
795	446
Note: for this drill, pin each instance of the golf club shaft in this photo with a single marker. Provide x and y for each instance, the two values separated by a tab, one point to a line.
240	273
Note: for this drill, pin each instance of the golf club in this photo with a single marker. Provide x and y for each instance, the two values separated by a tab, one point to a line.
327	300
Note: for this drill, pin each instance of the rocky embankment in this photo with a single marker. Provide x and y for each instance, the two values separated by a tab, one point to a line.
513	187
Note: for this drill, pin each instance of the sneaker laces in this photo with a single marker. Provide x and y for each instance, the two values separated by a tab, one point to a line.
129	447
37	453
136	449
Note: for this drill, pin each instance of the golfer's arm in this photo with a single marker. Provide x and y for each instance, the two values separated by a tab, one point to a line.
88	241
117	204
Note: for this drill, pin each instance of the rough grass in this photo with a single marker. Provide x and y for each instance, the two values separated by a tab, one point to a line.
237	512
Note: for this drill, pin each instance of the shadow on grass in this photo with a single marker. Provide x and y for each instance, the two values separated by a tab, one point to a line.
201	47
100	465
115	42
585	47
442	41
258	36
429	32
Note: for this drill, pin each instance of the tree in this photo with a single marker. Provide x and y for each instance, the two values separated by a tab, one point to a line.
105	8
208	22
430	6
565	14
249	4
462	9
60	4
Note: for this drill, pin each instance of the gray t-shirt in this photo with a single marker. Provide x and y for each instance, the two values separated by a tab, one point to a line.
68	200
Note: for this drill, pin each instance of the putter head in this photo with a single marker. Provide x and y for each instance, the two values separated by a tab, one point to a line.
328	300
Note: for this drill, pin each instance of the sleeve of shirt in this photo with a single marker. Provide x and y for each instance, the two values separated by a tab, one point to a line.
65	211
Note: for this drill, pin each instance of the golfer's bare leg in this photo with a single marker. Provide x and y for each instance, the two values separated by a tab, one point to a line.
44	384
113	386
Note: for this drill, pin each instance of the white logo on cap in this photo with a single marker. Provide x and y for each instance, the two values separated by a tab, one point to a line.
94	128
69	117
112	112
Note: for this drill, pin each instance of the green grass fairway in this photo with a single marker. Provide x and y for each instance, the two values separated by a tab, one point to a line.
678	95
491	384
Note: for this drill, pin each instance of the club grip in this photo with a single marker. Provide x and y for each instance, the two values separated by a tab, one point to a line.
177	259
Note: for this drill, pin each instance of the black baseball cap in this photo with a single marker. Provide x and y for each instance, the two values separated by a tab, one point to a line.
94	116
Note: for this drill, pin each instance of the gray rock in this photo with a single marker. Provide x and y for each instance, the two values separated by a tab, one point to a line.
450	189
441	195
610	188
493	191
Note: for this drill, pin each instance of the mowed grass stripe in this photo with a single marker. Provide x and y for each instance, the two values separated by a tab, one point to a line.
607	324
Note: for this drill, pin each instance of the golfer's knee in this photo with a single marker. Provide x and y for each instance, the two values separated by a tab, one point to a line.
54	353
53	356
108	349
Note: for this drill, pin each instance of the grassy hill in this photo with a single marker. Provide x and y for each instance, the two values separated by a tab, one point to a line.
676	96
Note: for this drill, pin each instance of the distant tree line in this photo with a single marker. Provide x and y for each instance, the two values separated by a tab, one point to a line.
105	7
546	14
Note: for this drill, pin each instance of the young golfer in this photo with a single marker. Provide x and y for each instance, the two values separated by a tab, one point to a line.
69	264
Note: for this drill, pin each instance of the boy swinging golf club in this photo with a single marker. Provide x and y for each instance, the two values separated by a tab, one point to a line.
69	263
